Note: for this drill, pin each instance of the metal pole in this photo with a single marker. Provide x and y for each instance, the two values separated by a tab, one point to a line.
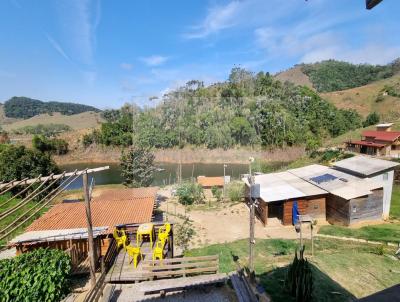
91	251
251	237
224	182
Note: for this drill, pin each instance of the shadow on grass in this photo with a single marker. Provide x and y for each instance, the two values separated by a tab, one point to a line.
324	290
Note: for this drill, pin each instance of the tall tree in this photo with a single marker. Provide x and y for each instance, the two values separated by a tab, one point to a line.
137	167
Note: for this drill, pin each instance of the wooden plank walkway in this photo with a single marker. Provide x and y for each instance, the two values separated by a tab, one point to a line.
176	284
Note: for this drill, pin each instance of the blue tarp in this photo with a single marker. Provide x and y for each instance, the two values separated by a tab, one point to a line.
295	213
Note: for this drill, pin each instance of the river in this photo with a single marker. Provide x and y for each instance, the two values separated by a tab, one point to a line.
167	175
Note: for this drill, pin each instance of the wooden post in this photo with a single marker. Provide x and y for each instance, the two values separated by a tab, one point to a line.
91	251
312	240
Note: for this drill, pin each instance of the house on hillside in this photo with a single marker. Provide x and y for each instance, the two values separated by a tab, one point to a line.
380	142
351	199
64	226
376	169
278	193
209	182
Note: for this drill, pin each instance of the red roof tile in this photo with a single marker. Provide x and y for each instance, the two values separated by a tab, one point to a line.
105	213
210	181
368	144
389	136
124	194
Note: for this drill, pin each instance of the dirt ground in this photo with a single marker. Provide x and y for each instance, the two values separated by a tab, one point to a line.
226	223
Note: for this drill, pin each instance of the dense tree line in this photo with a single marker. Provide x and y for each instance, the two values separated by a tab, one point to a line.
41	129
49	145
248	109
334	75
23	107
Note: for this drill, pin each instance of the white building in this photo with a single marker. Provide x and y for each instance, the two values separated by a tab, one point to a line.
376	169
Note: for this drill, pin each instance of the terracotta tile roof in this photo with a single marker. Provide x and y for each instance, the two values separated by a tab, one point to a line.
210	181
125	194
368	144
387	136
105	213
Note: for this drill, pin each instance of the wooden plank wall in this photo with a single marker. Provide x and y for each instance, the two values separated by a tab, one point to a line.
368	207
337	210
313	206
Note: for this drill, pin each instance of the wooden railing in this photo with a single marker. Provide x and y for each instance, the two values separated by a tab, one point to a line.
75	255
105	263
176	267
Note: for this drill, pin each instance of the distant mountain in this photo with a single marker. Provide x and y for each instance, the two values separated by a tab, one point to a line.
332	75
23	107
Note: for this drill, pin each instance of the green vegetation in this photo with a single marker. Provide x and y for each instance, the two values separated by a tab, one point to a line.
299	278
137	167
41	129
235	190
338	267
190	193
371	119
40	275
392	90
184	234
247	109
380	232
50	145
395	204
216	192
23	107
334	75
18	162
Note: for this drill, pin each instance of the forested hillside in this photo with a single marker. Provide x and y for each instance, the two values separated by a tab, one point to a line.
248	109
23	107
331	75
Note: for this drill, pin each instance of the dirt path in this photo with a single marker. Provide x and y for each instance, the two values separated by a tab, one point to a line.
226	224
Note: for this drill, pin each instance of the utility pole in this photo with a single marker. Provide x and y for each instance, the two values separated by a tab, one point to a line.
91	251
225	165
254	194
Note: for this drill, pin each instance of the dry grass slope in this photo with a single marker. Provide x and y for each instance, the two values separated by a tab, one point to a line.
363	99
76	122
294	75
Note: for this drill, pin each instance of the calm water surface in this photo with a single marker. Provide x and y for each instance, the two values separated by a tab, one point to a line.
165	177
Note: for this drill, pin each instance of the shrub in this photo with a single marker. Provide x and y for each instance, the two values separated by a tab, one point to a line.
371	119
184	234
235	190
46	130
299	278
53	146
40	275
216	192
189	193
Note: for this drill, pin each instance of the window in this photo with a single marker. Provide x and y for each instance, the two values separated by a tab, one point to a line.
354	209
393	147
385	176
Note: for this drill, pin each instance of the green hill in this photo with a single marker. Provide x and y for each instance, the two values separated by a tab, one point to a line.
23	107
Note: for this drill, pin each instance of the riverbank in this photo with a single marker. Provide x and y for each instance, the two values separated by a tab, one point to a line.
188	155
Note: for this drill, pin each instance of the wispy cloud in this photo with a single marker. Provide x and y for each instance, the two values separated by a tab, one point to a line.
126	66
57	47
218	18
154	60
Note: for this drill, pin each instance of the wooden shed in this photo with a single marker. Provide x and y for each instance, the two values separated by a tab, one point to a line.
278	193
351	199
64	226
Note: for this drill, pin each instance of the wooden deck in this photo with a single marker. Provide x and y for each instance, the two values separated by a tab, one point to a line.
123	270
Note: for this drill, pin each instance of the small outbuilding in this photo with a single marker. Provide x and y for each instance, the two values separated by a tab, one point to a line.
278	193
373	168
351	199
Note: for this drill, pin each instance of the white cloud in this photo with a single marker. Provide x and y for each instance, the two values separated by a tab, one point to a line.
126	66
154	60
57	47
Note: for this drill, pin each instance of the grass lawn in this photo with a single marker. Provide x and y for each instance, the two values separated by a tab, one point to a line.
395	204
342	270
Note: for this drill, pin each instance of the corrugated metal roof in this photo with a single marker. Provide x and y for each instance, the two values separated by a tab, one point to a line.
56	235
343	185
283	186
364	166
105	213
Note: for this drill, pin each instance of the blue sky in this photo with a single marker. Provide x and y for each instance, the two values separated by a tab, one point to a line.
106	53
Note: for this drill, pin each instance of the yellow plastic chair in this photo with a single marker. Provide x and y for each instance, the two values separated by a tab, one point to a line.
120	237
158	251
163	232
134	253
